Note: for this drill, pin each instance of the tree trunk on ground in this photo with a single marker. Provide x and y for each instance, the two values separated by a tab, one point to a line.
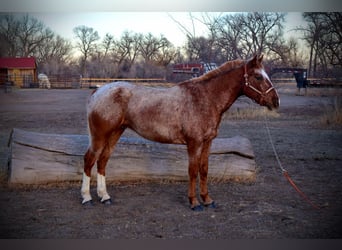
38	158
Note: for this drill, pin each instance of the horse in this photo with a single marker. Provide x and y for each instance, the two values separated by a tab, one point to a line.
188	113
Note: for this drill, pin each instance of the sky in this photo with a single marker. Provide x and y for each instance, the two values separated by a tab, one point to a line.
157	23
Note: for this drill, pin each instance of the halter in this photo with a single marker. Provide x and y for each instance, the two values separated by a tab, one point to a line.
253	88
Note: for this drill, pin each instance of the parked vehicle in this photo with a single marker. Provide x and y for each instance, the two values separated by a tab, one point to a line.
193	69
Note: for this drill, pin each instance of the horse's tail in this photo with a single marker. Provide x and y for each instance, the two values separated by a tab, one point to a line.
93	92
88	111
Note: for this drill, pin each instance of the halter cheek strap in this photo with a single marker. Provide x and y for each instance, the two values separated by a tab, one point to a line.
252	87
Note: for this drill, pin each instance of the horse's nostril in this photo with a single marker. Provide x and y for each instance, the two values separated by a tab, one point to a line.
276	102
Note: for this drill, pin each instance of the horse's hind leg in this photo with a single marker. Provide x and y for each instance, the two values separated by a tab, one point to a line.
90	158
101	166
101	179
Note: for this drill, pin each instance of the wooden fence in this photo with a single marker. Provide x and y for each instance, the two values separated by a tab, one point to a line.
97	82
75	81
64	81
313	82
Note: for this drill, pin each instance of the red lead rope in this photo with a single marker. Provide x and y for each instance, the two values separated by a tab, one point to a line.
285	172
299	191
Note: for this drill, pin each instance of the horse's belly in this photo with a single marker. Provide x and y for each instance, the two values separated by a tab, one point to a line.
160	133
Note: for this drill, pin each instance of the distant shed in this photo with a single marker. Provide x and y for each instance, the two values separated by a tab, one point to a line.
22	72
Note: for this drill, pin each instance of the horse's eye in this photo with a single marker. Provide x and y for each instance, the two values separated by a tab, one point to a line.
258	77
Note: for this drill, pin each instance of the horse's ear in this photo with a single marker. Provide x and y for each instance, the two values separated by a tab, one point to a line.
254	60
260	58
257	59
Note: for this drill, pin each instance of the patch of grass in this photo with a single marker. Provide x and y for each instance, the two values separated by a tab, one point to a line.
3	178
333	115
251	113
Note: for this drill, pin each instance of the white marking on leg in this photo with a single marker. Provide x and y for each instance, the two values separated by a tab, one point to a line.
85	189
101	188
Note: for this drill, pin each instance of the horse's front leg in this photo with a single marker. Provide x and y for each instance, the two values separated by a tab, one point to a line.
203	169
194	153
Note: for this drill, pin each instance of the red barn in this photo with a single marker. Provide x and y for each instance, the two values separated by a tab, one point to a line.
20	71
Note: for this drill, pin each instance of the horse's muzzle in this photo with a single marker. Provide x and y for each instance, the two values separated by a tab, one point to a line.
274	104
271	104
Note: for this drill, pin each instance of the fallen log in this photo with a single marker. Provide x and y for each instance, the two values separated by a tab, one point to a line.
38	158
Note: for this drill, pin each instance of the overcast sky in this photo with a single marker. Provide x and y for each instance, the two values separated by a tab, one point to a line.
157	23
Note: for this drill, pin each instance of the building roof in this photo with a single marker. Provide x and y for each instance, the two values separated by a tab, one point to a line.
18	63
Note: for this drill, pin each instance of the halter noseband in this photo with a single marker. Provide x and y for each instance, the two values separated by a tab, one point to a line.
253	88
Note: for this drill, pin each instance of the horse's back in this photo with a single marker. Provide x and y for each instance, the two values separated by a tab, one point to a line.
136	100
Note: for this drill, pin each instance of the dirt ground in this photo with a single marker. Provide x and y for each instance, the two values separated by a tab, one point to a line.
268	208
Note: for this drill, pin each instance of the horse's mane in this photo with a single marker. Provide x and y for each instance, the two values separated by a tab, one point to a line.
224	68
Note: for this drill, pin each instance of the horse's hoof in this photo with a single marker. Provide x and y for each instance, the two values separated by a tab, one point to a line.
197	208
211	205
107	202
88	203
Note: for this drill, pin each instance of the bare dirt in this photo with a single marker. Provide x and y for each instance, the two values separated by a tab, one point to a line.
269	208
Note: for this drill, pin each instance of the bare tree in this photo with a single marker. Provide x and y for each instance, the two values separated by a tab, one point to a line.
32	34
334	37
323	34
23	35
87	37
204	46
198	48
260	31
242	34
202	49
9	28
227	32
101	62
189	33
157	53
150	45
166	55
126	50
56	48
156	50
54	55
234	36
107	44
311	36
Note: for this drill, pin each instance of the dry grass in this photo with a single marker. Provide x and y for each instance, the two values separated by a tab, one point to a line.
291	89
251	113
333	114
3	178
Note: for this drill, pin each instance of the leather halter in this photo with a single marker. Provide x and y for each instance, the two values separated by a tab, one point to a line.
252	87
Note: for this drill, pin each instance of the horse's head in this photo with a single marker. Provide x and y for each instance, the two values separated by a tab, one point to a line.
258	85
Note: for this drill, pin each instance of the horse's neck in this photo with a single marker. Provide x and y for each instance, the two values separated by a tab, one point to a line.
225	88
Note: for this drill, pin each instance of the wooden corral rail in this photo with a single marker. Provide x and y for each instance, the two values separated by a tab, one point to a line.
64	81
313	82
97	82
38	158
283	80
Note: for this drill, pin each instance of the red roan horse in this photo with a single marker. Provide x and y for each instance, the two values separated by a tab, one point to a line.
188	113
